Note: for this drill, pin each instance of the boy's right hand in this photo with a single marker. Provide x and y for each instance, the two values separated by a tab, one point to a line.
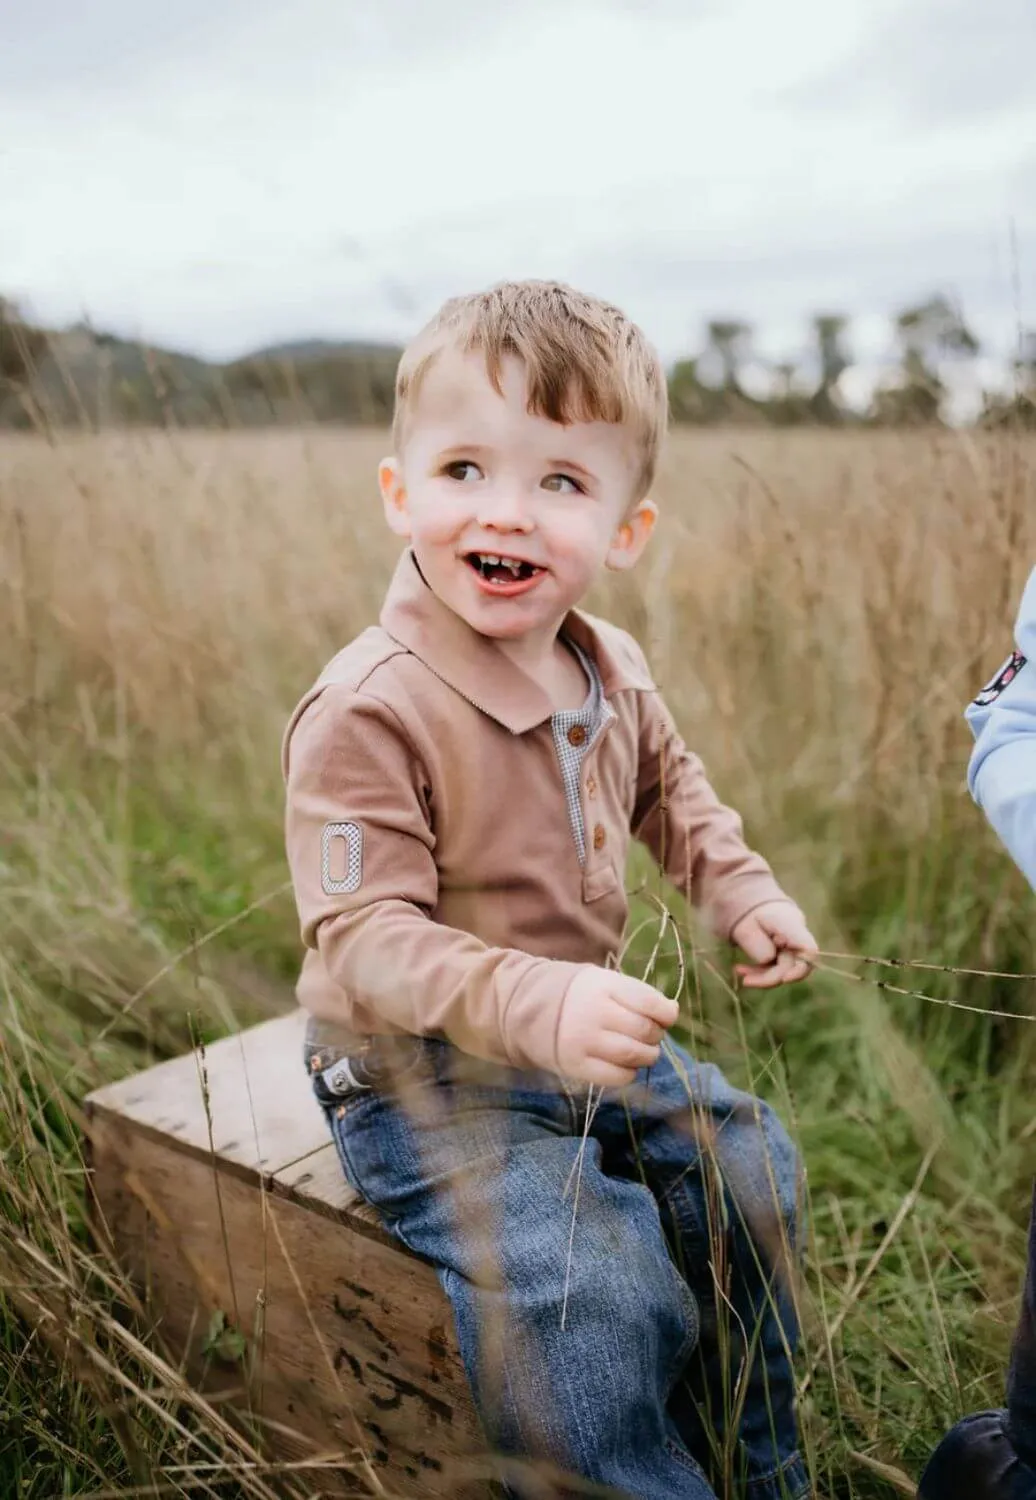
611	1025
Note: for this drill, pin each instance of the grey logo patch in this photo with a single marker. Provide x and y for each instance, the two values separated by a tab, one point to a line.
351	835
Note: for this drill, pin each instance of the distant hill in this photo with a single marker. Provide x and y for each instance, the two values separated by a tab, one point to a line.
85	378
301	350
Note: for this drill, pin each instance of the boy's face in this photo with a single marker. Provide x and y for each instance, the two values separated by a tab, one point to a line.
481	478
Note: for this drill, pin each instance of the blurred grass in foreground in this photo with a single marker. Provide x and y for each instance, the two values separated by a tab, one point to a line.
818	609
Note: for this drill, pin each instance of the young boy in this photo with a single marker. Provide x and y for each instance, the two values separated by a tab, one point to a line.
462	784
992	1455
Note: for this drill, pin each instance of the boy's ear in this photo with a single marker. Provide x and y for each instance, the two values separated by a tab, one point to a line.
632	536
394	497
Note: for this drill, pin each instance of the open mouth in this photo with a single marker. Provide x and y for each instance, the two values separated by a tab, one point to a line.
501	570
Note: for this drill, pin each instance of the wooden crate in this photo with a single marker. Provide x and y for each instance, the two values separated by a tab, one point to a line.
238	1207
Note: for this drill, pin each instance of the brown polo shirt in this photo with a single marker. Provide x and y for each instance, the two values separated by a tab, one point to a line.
441	882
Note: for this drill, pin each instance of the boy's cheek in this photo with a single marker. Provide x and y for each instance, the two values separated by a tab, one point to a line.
437	517
581	548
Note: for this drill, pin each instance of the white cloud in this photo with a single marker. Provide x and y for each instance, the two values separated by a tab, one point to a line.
315	168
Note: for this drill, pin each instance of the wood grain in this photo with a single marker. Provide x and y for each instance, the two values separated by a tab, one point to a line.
350	1342
350	1337
260	1102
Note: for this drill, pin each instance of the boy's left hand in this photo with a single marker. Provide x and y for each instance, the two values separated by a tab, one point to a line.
775	937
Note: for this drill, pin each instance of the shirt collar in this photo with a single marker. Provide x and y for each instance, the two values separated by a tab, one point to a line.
474	666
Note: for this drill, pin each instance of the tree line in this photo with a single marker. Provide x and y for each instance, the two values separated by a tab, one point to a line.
928	336
82	377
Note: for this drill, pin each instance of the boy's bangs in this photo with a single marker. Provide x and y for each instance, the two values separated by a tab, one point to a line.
566	381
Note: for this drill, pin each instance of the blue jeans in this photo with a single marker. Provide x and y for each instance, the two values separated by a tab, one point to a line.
621	1285
992	1455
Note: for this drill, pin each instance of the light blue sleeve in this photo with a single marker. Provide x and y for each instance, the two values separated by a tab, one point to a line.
1002	769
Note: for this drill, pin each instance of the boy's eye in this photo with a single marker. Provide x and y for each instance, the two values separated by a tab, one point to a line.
562	484
463	470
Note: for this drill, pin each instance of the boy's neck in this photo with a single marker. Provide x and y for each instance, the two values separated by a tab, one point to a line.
551	664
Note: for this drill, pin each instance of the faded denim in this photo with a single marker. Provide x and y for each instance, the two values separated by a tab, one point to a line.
590	1253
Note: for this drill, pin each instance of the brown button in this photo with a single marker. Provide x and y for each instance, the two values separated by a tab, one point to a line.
577	735
591	787
599	836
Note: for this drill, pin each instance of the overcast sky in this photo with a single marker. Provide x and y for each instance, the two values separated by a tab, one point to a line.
217	174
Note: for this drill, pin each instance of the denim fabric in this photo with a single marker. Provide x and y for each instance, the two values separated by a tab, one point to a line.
619	1275
992	1454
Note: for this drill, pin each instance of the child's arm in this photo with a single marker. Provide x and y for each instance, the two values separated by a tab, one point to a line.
1002	769
360	849
699	844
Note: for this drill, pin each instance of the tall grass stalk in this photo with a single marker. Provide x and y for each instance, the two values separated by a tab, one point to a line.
818	608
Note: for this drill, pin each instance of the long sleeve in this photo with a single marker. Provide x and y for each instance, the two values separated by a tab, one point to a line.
1002	779
360	848
1002	768
693	837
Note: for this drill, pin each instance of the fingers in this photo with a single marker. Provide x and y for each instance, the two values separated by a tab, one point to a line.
801	969
606	1075
625	1051
644	1000
779	943
760	979
632	1023
612	1027
787	968
754	941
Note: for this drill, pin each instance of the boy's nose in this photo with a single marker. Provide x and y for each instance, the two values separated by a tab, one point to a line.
504	511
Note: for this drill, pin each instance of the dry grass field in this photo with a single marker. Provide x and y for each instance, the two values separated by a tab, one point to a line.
818	607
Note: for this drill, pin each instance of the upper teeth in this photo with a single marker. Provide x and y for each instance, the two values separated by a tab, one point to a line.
499	562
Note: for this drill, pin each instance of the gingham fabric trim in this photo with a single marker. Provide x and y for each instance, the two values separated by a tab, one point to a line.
593	715
352	835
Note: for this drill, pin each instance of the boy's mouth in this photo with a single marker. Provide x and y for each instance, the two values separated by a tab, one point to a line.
502	573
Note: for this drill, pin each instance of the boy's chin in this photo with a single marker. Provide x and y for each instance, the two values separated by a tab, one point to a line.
498	624
497	620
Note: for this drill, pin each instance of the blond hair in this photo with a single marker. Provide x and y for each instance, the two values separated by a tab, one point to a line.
584	359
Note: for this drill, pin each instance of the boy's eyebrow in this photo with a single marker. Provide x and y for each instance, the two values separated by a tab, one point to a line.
569	463
453	449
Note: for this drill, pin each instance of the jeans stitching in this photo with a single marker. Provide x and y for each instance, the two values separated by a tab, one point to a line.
389	1222
795	1462
683	1456
689	1304
344	1156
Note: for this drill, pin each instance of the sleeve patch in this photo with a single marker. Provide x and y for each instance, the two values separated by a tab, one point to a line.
1003	678
341	847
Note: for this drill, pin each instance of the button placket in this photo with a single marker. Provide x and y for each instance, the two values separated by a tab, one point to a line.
582	737
595	836
599	874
